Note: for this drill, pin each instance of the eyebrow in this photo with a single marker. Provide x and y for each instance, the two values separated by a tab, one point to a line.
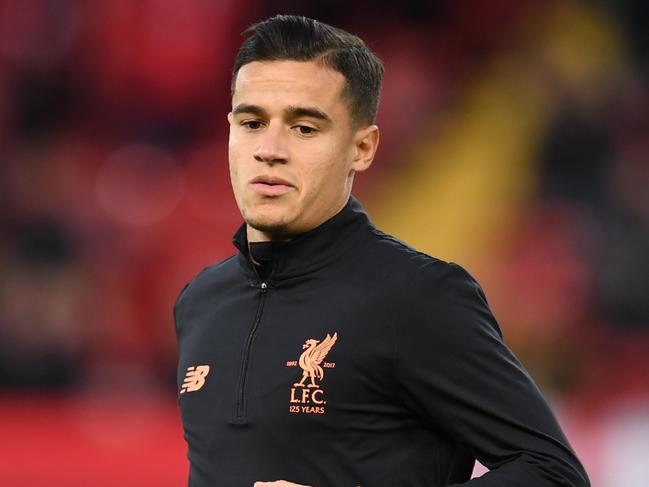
289	112
311	112
246	108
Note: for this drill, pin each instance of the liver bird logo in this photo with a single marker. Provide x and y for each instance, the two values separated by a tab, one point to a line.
314	353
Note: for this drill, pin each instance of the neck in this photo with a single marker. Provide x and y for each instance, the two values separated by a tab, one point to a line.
256	235
308	251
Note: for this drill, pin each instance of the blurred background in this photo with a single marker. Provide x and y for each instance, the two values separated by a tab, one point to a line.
515	141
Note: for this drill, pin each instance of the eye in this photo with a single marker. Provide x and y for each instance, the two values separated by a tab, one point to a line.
252	124
305	130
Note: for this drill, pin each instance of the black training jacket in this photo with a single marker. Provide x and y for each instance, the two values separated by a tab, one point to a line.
349	359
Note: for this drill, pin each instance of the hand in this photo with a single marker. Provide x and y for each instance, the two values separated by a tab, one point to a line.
278	483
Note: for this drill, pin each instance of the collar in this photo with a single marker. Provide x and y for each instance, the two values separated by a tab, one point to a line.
312	250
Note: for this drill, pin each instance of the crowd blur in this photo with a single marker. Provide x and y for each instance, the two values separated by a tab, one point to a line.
515	141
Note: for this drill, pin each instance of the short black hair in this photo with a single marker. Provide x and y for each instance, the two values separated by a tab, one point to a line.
291	37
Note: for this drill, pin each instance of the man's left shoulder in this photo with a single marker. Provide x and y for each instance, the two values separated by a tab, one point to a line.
418	264
425	272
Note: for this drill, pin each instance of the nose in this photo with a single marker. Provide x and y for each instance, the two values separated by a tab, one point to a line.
271	148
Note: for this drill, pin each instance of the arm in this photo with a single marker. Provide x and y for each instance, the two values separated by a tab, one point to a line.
458	375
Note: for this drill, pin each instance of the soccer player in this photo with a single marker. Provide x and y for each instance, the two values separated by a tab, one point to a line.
326	352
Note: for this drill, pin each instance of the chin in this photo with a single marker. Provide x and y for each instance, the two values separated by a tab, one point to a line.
269	222
276	230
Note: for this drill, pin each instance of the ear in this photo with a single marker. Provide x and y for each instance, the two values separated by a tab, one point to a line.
366	141
230	118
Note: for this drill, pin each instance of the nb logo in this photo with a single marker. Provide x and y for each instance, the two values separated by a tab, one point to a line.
195	378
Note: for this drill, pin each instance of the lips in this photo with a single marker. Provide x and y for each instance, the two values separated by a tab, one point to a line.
271	186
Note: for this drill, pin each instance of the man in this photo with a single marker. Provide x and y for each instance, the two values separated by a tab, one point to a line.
325	352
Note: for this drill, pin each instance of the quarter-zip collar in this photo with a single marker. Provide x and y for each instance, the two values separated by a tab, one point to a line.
313	249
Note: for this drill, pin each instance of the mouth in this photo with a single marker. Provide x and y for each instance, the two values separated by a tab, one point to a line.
271	186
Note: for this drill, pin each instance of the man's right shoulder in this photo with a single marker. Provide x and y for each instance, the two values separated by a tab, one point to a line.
210	277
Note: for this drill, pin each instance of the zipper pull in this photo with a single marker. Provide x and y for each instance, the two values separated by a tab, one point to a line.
263	286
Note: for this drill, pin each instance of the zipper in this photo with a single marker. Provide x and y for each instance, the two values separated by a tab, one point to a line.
241	405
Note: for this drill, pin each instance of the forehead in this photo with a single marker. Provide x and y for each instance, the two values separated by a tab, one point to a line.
277	84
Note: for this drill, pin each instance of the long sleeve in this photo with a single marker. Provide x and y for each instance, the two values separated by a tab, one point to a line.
458	376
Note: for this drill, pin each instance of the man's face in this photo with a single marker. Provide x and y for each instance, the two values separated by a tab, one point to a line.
292	149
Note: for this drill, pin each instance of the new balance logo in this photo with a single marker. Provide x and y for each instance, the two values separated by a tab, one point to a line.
195	378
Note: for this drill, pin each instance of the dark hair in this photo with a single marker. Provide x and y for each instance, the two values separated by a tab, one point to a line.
290	37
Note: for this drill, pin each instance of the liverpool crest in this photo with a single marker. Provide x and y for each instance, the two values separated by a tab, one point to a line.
307	396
